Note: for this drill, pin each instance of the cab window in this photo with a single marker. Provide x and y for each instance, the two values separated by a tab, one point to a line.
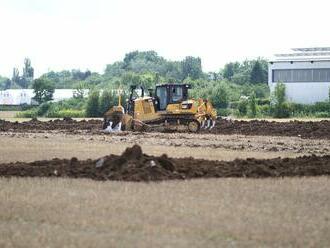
161	93
176	94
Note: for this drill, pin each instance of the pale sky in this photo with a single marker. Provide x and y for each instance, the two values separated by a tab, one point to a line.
88	34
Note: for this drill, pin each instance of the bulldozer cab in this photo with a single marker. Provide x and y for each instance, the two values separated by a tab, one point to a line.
170	94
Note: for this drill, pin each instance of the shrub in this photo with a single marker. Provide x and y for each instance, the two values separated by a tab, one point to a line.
264	110
322	114
31	113
92	108
321	107
243	106
224	112
43	108
280	108
219	96
263	101
73	113
105	102
252	105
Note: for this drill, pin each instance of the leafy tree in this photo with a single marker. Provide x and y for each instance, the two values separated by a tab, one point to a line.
131	78
230	69
15	77
28	72
105	102
115	70
79	75
80	90
220	96
191	67
43	90
253	105
249	71
257	74
280	106
92	108
243	106
7	84
26	79
4	83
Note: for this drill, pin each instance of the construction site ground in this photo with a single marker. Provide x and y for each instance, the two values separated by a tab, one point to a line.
232	186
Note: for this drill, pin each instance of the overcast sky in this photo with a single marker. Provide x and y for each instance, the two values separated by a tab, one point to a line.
88	34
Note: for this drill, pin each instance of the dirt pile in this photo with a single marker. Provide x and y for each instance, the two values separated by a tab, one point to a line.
317	129
67	124
314	130
134	165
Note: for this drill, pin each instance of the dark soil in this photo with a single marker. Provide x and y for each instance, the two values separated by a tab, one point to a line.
67	124
133	165
310	129
313	130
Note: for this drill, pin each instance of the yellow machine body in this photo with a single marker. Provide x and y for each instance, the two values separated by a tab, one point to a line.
145	111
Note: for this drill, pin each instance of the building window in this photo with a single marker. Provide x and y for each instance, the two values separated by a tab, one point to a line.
301	75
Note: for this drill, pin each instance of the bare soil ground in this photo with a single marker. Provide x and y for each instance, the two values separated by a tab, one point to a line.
57	212
29	147
310	129
289	212
134	165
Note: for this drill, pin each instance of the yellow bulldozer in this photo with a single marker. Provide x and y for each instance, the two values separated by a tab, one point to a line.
167	106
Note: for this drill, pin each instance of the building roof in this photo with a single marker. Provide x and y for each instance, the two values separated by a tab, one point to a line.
304	54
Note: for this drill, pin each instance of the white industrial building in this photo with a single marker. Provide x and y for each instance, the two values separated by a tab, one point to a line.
24	96
305	73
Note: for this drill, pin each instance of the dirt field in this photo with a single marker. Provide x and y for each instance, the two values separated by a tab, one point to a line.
55	144
56	212
308	129
134	165
290	212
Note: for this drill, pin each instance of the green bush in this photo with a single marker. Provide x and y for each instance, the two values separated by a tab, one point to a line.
264	110
31	113
322	114
219	96
43	108
21	107
105	102
73	113
263	101
280	108
92	108
224	112
72	103
320	107
252	110
243	107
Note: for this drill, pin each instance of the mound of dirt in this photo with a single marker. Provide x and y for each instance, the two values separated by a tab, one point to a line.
313	130
134	165
67	124
317	129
